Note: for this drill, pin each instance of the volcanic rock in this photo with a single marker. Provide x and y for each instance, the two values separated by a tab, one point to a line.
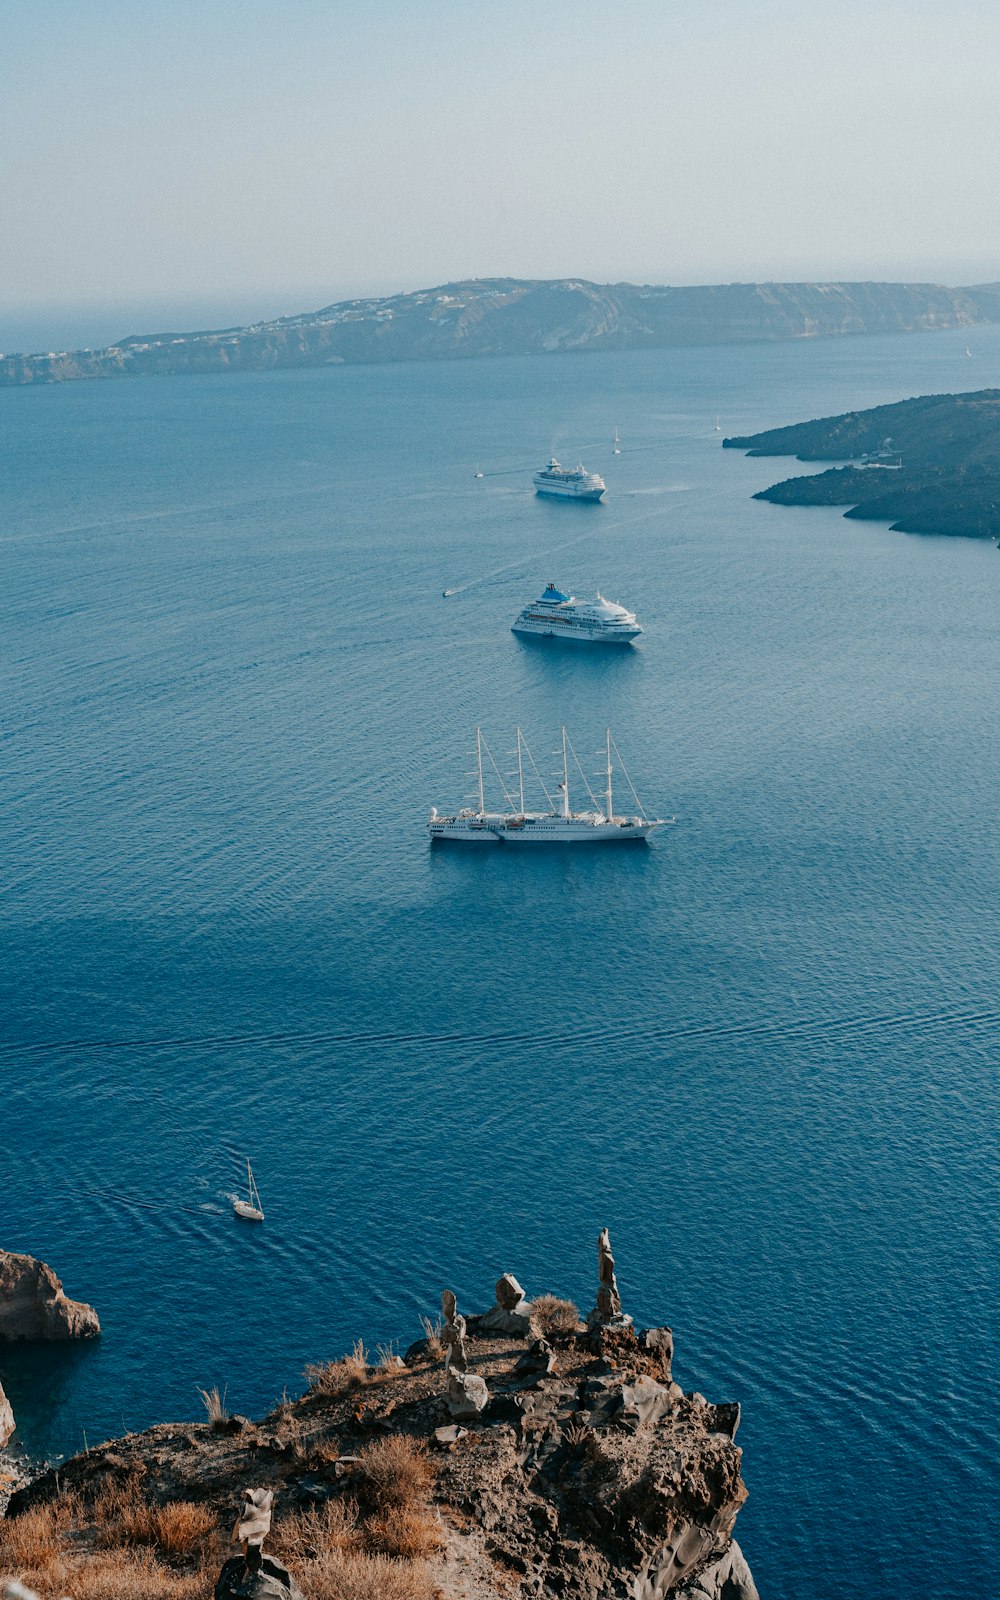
468	1396
271	1582
7	1423
33	1305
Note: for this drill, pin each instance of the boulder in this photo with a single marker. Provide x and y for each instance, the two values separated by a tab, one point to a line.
644	1402
510	1315
468	1396
509	1293
726	1578
659	1342
33	1305
538	1362
271	1581
7	1423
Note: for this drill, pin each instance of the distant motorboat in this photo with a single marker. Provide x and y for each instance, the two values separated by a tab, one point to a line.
250	1210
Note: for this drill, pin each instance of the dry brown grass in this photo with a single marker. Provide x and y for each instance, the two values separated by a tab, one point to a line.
337	1377
389	1364
90	1550
395	1473
551	1315
306	1535
339	1575
184	1529
133	1575
432	1333
215	1406
404	1534
30	1543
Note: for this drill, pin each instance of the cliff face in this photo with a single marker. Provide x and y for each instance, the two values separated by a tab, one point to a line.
519	1453
929	465
508	316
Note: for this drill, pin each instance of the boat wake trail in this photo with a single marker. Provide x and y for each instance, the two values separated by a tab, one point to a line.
599	528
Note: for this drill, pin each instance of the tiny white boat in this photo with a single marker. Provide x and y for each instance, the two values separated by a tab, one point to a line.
617	444
250	1210
479	474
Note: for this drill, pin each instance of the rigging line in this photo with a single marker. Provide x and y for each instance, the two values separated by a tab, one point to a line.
628	780
586	785
496	769
538	775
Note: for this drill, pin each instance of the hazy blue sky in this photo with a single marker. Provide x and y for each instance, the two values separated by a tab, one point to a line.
235	153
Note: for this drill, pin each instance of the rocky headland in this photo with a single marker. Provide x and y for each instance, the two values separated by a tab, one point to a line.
521	1452
514	316
33	1304
927	465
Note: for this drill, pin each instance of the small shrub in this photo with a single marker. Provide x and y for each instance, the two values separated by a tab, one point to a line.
405	1535
342	1576
432	1333
307	1535
337	1377
183	1528
395	1473
551	1315
215	1406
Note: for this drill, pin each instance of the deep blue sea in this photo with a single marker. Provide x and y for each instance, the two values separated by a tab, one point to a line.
762	1050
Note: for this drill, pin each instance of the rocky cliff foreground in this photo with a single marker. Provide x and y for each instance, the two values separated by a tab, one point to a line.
928	465
512	316
519	1453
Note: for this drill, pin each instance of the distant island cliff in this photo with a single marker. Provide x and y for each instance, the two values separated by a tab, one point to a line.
928	465
513	316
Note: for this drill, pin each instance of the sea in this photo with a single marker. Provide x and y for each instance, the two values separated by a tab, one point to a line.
761	1050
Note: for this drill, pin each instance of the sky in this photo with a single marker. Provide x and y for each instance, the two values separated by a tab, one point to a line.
241	159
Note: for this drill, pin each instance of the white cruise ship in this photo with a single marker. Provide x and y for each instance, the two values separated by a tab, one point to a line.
560	824
573	483
563	616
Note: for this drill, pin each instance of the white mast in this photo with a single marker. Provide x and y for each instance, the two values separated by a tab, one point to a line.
610	811
564	786
520	773
479	770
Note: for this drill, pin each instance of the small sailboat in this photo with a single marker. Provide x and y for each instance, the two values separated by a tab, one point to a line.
617	444
250	1210
479	474
718	425
968	352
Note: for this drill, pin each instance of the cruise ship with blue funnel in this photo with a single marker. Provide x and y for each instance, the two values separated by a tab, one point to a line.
563	616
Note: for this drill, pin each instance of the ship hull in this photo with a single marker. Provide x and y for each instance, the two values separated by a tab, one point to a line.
549	831
577	634
560	491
